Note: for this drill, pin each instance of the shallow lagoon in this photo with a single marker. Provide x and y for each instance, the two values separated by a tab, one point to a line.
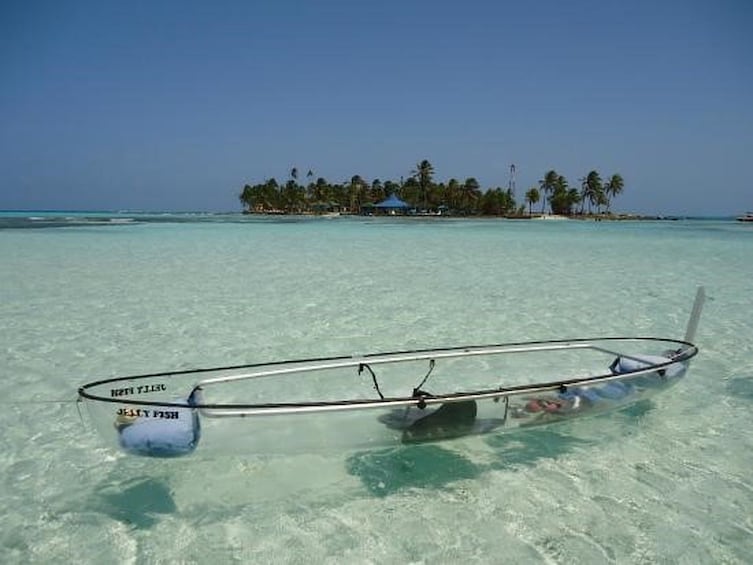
665	480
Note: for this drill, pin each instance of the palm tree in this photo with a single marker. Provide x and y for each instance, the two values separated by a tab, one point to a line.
497	202
391	187
339	193
595	189
532	197
294	173
270	195
376	194
247	197
356	192
321	192
290	197
592	191
583	194
613	187
563	198
470	193
548	184
424	172
453	193
562	183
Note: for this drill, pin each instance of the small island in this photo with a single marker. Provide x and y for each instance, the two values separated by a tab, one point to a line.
419	194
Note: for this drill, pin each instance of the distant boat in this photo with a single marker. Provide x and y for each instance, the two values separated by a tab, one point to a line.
748	217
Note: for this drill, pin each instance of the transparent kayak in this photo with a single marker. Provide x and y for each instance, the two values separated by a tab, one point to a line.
383	399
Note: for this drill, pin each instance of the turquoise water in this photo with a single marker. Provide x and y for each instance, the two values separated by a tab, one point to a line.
664	481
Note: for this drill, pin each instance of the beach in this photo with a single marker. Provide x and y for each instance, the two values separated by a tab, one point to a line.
101	295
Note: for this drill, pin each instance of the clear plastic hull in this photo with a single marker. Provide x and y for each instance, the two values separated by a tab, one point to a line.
380	400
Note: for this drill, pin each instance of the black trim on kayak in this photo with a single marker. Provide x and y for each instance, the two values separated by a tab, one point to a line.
685	352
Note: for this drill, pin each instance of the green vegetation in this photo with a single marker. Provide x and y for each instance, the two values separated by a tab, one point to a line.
463	198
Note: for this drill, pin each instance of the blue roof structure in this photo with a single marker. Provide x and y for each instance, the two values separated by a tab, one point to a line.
393	202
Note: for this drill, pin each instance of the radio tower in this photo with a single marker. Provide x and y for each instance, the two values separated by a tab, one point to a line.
511	182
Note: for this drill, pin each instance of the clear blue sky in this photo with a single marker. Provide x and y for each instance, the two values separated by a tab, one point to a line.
176	105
